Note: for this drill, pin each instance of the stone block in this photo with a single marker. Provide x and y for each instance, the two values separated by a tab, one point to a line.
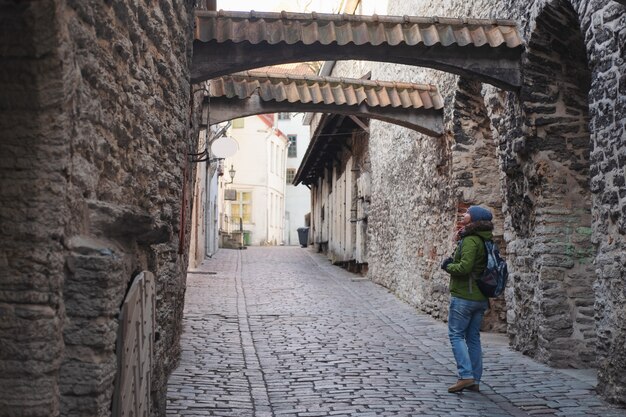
86	372
553	308
99	333
556	261
32	397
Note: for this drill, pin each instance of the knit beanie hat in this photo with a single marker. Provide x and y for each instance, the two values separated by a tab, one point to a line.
478	213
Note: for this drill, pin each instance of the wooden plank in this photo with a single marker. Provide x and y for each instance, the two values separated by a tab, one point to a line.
135	349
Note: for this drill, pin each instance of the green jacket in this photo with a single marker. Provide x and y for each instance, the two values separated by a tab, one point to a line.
469	261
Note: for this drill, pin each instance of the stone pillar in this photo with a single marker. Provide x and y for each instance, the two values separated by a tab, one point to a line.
36	86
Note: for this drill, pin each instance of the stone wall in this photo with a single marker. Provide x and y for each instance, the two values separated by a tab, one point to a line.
604	26
475	175
96	126
34	158
559	143
550	167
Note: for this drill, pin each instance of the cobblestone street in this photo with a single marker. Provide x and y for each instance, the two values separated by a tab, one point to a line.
281	332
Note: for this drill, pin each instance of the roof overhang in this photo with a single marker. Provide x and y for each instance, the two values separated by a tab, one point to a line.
329	139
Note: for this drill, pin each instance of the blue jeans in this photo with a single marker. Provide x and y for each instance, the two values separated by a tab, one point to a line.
464	319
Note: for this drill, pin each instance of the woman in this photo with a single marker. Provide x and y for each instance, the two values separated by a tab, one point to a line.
467	303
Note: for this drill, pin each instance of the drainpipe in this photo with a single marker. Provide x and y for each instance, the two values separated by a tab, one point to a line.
207	208
268	202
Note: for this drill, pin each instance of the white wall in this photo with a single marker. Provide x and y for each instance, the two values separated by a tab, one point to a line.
297	199
204	228
197	242
259	166
211	215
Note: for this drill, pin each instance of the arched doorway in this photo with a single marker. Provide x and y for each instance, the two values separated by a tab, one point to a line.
549	199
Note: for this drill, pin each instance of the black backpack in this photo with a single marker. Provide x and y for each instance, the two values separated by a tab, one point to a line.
493	279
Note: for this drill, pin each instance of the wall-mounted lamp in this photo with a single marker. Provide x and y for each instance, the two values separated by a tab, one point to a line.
232	172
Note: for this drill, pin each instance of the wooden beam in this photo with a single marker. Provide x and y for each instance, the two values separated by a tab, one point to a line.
426	121
360	123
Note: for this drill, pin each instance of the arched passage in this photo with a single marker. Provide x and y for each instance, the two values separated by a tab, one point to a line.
414	106
550	200
227	42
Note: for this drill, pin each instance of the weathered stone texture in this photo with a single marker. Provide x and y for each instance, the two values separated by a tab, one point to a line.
133	133
34	157
560	144
605	30
551	170
474	160
93	291
406	226
96	127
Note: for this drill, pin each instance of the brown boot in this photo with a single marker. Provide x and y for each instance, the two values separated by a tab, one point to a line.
475	388
461	384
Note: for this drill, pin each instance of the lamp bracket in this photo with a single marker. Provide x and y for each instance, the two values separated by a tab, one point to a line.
202	157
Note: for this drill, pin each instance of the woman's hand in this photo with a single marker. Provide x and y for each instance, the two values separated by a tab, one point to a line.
445	263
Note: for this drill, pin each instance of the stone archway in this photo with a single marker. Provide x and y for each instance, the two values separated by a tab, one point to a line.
549	199
475	157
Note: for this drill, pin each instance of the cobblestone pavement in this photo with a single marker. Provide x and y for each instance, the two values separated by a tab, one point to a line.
281	332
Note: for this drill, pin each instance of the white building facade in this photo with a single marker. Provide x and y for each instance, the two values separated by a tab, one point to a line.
204	230
259	182
297	198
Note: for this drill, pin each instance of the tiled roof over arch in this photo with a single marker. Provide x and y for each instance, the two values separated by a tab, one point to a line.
326	90
308	28
229	42
416	106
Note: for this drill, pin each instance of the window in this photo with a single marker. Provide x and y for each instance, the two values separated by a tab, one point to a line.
284	116
293	151
291	174
242	207
238	123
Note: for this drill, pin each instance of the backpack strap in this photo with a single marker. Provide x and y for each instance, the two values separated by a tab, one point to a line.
472	275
